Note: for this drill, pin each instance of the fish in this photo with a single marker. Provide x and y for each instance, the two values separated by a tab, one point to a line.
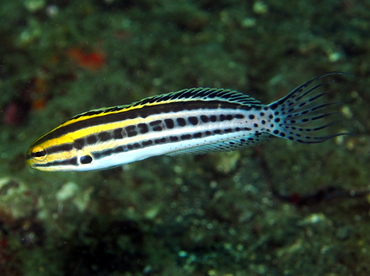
195	120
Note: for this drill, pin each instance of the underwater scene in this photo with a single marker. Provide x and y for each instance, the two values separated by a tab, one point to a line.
258	165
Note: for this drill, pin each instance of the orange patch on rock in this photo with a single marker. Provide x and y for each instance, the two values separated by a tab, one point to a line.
92	60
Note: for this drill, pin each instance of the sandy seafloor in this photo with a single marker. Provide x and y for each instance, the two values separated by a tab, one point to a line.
280	208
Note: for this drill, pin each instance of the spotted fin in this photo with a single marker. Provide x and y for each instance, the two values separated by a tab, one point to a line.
298	116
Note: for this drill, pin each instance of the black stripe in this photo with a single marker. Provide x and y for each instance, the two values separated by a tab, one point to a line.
91	139
193	120
117	133
120	149
71	161
140	112
143	128
185	137
131	130
160	141
101	154
147	143
169	123
104	136
60	148
156	125
181	122
79	143
213	118
204	118
163	140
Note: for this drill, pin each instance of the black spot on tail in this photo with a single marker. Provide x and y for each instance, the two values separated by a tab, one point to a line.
300	116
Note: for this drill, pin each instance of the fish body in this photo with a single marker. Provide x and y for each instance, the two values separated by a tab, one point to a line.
196	120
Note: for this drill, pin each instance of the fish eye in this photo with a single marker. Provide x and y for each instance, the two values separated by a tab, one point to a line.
86	159
38	153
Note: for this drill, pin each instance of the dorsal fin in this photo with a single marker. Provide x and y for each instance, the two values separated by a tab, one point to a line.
204	94
190	94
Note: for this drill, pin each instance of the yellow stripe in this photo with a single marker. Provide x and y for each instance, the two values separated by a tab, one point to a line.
125	108
81	133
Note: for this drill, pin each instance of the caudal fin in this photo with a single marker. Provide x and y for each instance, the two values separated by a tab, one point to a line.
298	116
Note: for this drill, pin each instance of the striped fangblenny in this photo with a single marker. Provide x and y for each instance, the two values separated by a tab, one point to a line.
195	120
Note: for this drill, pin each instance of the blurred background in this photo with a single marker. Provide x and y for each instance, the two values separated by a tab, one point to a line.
280	208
